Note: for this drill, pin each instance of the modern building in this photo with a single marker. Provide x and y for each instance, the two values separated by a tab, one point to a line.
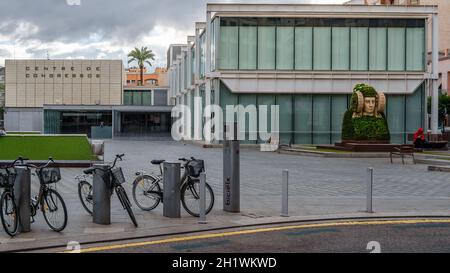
80	97
307	59
157	78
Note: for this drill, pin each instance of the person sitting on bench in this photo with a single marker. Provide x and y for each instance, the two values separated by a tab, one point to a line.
419	139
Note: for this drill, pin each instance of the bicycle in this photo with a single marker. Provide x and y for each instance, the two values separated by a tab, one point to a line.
85	192
117	179
148	188
48	200
8	209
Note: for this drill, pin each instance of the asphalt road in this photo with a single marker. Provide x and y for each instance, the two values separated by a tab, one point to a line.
385	236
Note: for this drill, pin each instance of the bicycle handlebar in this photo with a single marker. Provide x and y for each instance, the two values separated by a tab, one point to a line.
92	169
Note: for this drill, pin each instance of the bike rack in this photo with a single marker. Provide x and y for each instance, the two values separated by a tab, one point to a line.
22	193
102	195
172	193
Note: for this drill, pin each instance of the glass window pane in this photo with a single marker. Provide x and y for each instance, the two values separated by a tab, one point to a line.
266	47
338	109
341	48
228	57
359	48
377	48
137	98
128	98
396	117
321	119
414	111
415	49
147	98
396	49
251	121
267	100
303	48
322	48
285	48
247	47
286	115
303	119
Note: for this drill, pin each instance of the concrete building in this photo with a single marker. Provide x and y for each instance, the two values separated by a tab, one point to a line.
307	59
80	96
157	78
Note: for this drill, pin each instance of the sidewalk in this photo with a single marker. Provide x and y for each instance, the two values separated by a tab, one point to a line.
320	188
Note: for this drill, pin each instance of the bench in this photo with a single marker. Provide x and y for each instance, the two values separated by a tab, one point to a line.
441	144
403	150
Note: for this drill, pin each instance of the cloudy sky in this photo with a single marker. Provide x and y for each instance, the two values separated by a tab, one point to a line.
100	29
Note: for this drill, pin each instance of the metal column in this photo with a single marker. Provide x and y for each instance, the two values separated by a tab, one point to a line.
231	173
369	190
172	193
102	195
202	219
435	76
285	194
22	193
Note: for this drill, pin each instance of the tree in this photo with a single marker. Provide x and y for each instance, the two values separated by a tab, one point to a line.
444	107
141	56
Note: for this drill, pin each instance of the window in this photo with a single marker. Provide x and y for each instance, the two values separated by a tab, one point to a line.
341	48
377	48
322	48
285	48
396	49
247	47
228	56
359	48
266	47
415	49
303	48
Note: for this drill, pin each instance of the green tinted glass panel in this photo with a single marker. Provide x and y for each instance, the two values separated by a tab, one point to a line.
247	47
137	98
251	120
285	48
286	115
377	48
321	119
359	48
415	49
303	48
322	48
338	108
147	98
341	48
415	111
303	119
266	47
396	49
267	100
396	117
228	56
128	98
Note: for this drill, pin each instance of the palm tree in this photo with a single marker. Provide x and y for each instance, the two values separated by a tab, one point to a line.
141	56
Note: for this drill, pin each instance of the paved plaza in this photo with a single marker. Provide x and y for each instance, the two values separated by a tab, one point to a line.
319	187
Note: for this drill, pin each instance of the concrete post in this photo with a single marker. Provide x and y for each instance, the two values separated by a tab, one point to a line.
202	219
22	193
369	190
102	195
285	194
172	190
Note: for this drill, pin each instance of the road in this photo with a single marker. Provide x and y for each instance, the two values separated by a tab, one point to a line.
386	236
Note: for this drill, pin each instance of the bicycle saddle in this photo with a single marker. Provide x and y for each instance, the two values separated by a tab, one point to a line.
157	162
89	171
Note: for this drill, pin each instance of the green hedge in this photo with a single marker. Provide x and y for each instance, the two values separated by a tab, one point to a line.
41	147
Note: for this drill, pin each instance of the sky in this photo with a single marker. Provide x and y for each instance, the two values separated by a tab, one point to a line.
101	29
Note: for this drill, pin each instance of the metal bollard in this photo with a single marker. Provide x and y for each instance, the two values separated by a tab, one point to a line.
102	196
172	193
285	194
369	190
231	183
202	219
22	193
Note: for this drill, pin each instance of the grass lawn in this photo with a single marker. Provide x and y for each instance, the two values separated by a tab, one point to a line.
41	147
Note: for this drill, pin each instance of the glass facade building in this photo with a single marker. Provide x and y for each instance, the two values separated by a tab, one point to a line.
306	59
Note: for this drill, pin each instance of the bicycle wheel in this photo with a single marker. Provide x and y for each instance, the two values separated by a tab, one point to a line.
9	215
54	210
85	193
123	197
190	198
146	192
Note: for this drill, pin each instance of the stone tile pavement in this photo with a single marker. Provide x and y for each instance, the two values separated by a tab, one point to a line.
318	187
